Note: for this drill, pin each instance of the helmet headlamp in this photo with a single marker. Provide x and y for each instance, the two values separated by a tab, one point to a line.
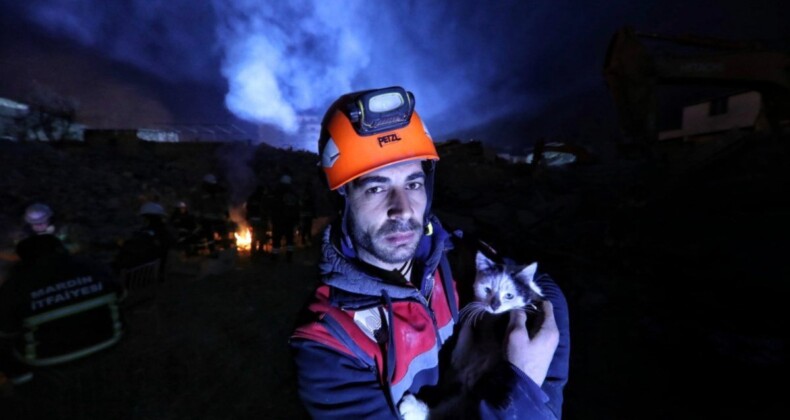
366	130
381	110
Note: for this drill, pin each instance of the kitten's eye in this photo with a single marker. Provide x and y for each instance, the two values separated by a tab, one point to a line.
509	296
488	290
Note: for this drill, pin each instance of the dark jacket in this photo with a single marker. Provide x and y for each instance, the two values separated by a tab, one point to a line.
148	243
47	280
285	205
352	365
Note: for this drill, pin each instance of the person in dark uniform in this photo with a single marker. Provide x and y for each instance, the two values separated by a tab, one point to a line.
285	216
185	227
39	221
306	214
258	217
150	242
45	280
211	207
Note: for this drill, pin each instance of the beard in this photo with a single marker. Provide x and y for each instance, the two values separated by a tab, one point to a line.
375	244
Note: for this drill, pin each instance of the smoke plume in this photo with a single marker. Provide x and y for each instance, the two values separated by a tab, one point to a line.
281	63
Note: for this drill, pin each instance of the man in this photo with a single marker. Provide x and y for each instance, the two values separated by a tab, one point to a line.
285	217
210	203
38	219
150	242
306	214
54	308
258	217
185	227
387	299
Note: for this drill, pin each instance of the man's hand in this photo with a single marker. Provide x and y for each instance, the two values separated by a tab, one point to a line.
533	356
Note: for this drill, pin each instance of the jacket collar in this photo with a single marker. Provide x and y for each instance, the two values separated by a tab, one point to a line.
356	285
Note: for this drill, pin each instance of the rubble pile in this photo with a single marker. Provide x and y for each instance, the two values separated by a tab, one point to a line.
97	191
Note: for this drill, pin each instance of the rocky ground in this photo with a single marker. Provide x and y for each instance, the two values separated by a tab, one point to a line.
673	267
207	347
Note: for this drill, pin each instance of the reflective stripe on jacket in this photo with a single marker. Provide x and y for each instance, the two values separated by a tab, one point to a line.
393	330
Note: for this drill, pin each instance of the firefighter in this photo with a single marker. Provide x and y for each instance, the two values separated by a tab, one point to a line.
285	217
258	205
148	243
306	214
211	206
185	227
39	221
369	340
48	278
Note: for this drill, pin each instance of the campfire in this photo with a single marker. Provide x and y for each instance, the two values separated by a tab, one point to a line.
243	232
243	238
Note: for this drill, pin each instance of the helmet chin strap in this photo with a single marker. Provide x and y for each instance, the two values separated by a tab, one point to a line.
345	236
405	269
429	167
428	231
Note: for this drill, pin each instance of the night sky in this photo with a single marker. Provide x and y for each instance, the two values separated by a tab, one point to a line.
505	72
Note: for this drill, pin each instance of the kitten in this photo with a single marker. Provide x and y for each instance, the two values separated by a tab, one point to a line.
498	289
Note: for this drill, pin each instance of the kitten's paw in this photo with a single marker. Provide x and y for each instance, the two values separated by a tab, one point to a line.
412	409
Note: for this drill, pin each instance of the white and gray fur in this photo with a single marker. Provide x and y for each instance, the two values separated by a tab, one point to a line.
498	289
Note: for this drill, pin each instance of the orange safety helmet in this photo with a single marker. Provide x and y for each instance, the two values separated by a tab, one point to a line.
364	131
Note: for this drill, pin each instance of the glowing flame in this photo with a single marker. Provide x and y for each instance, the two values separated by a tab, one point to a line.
244	239
243	232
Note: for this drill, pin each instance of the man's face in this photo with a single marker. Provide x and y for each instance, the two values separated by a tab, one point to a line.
39	227
386	213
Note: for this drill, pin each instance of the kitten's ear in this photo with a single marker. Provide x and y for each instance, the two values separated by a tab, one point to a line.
527	275
482	262
528	272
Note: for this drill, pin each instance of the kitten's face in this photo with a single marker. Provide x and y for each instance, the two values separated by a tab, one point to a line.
501	288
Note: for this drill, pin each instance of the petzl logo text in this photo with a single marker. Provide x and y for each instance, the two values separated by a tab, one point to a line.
389	138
